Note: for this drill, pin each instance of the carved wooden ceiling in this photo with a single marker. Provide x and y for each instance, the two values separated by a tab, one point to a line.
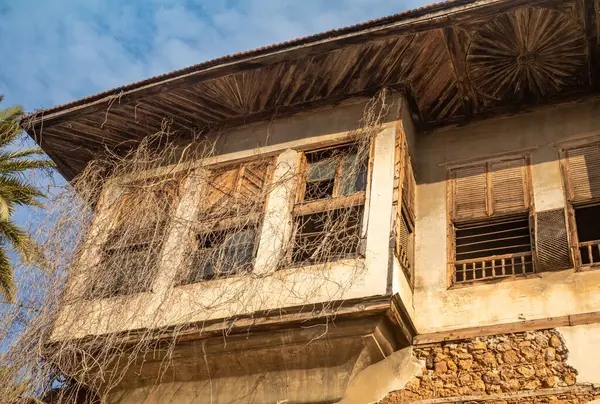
456	63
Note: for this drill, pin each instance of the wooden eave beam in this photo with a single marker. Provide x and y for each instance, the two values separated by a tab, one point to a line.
592	13
457	55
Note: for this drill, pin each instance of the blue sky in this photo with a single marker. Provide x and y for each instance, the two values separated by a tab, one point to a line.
55	51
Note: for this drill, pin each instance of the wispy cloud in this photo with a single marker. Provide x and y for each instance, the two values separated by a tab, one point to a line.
60	50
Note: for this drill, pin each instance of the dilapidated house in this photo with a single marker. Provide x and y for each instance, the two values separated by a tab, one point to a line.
402	210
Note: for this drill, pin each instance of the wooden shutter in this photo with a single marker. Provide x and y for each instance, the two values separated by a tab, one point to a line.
409	187
584	172
235	190
470	192
404	246
552	241
252	181
145	206
219	190
509	191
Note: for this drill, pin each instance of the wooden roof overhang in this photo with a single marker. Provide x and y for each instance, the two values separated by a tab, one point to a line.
455	61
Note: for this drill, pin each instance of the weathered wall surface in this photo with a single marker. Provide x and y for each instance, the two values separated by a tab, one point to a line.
346	279
584	353
526	367
438	307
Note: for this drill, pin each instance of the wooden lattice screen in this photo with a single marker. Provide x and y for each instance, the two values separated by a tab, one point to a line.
552	241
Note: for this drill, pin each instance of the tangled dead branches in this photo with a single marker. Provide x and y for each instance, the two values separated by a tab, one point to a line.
146	244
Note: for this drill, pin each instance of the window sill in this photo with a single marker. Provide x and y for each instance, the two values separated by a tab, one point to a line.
588	267
207	281
493	281
117	297
353	258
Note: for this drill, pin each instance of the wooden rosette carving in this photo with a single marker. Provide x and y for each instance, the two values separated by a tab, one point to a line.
526	54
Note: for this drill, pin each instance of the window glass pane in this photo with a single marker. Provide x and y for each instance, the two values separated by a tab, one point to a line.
222	253
126	270
322	170
354	174
327	236
239	250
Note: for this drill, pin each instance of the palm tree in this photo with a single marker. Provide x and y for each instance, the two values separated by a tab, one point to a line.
15	191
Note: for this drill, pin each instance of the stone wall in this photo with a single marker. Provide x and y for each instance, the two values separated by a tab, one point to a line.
517	367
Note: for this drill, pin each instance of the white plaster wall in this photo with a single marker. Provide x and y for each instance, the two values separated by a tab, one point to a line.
378	380
402	288
583	341
438	308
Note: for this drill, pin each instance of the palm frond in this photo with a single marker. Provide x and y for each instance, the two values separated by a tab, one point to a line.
8	166
9	124
18	191
15	190
7	281
5	208
19	240
30	151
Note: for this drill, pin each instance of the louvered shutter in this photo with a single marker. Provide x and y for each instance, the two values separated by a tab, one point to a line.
552	241
470	190
404	246
409	187
508	193
584	172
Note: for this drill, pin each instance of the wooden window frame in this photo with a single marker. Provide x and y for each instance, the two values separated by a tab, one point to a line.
528	209
403	207
236	222
106	249
337	201
572	205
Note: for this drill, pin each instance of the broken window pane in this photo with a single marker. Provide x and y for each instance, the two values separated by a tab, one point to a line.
334	172
320	180
327	236
127	270
223	253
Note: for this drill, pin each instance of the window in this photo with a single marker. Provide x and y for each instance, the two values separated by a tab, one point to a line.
588	234
582	171
491	221
130	255
330	204
404	202
227	228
